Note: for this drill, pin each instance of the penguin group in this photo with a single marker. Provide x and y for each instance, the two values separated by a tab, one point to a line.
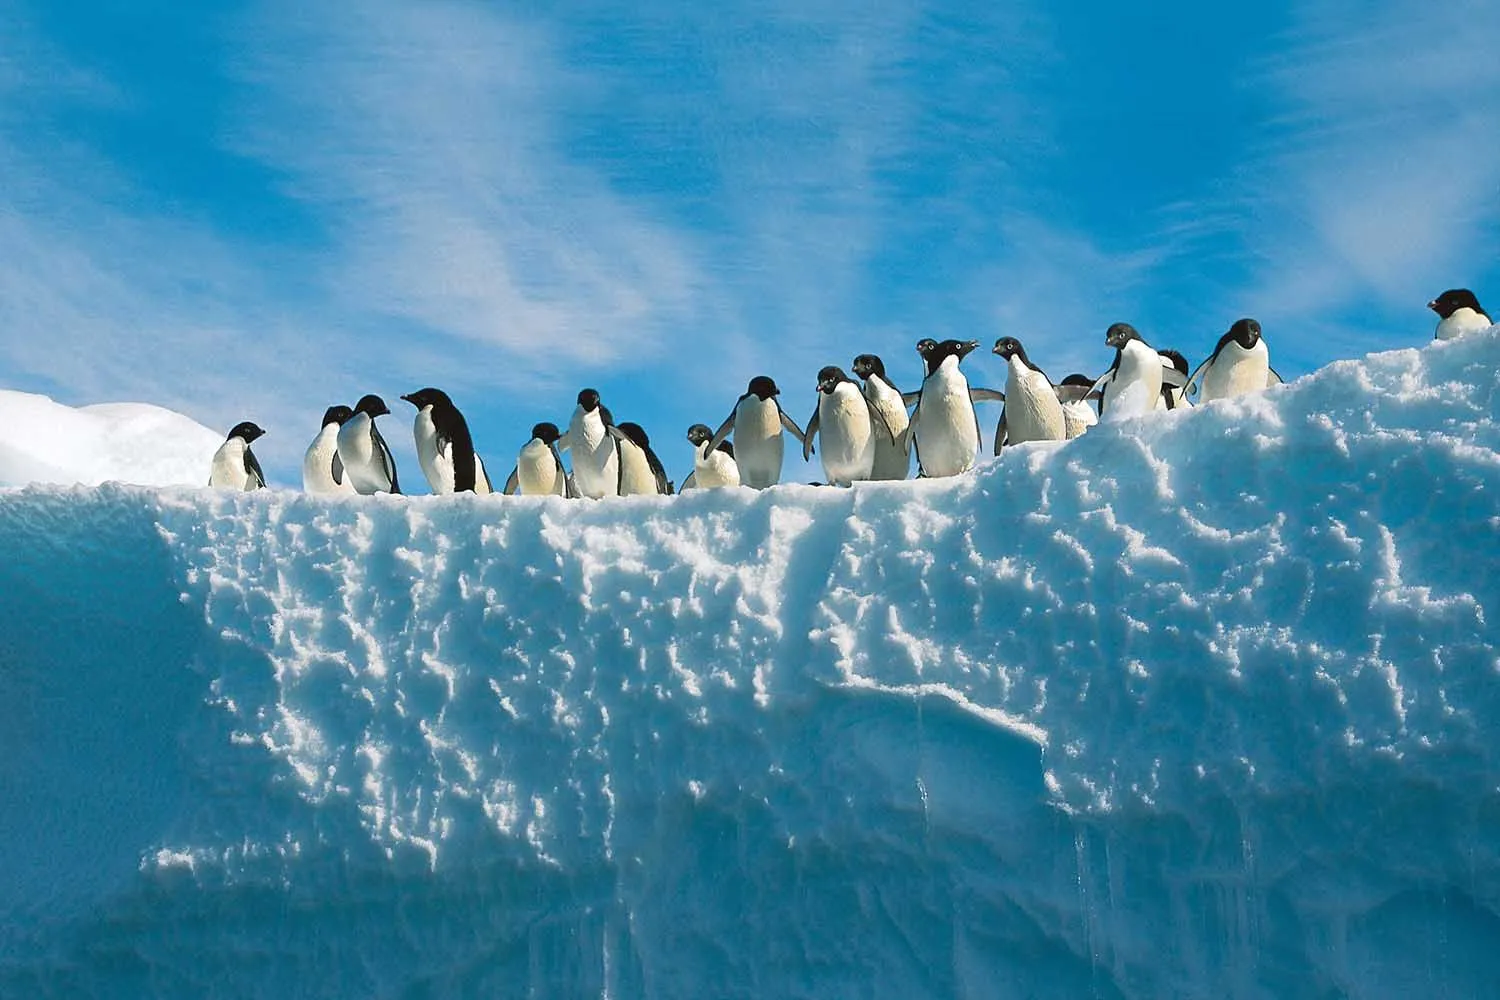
862	428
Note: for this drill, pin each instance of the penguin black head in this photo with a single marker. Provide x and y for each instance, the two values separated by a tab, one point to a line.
435	398
1120	334
829	378
934	353
336	415
636	433
1176	357
1452	301
589	400
699	434
1245	332
372	405
546	432
246	430
869	364
762	387
1009	347
1078	378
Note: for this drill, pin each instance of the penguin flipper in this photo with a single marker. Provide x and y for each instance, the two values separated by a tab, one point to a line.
1071	393
338	469
1000	433
1191	387
908	398
513	482
978	395
791	425
911	431
252	471
1273	378
690	483
723	431
570	489
876	415
807	439
1171	376
386	458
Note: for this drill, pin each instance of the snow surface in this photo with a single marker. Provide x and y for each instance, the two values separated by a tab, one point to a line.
1204	704
42	441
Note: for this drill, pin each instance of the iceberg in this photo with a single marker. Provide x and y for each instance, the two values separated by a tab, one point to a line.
1204	704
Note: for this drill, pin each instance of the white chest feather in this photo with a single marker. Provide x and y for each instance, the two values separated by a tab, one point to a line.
891	458
1032	411
364	462
228	469
595	457
1236	371
845	435
1136	384
636	477
946	433
1078	416
537	471
715	468
437	463
317	464
1463	321
758	442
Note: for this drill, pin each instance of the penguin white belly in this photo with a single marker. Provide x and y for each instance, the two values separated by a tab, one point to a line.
1078	416
636	477
892	461
947	436
1236	371
1032	412
317	464
437	464
363	464
596	460
1463	321
228	469
714	469
758	444
537	472
482	485
1136	384
845	435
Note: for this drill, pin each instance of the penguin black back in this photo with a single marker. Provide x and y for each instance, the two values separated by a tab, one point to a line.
453	430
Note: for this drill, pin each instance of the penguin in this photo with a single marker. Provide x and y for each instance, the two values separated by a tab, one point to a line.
367	458
1458	313
596	453
641	472
757	421
539	469
712	466
1132	385
445	450
1239	364
944	428
1074	392
1032	411
234	466
847	426
1174	396
892	459
322	470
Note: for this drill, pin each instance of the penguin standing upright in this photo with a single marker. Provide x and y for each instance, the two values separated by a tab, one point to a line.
892	459
1032	411
1239	364
1132	385
757	422
234	465
445	450
1459	313
846	425
712	466
944	427
641	472
539	469
596	454
322	470
1074	392
367	458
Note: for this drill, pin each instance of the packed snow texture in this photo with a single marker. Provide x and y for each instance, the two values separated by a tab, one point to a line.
1200	705
42	441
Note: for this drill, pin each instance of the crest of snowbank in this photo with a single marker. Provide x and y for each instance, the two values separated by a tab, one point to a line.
42	441
1200	705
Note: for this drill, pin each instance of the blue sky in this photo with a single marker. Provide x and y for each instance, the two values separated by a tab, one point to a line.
251	210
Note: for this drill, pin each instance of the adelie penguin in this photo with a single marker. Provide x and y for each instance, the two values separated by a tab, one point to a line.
445	450
539	468
892	458
1132	385
1239	364
234	466
1032	410
596	453
1458	313
322	469
1174	396
757	422
846	426
1074	392
712	466
944	427
367	458
641	472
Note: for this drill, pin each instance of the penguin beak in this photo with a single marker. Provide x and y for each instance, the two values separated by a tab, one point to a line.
1433	305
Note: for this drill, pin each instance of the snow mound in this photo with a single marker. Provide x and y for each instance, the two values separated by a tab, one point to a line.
1200	705
42	441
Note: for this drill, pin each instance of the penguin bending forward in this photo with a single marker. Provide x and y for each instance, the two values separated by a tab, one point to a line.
713	466
322	470
367	458
234	465
1239	364
944	427
641	472
1458	313
445	450
757	422
892	457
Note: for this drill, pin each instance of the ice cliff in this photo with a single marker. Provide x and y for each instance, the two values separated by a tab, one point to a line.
1206	705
